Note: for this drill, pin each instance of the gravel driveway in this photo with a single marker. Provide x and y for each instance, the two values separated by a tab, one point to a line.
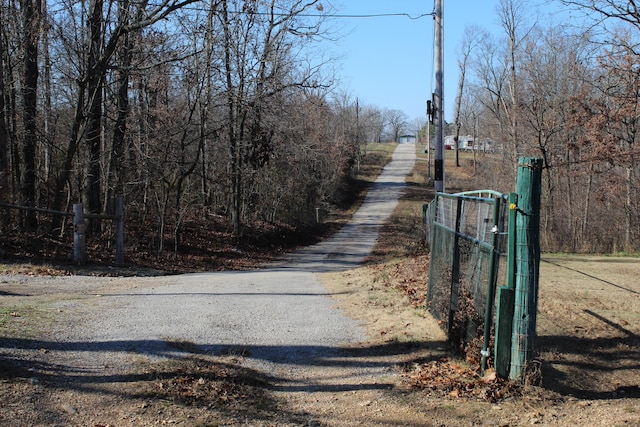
279	315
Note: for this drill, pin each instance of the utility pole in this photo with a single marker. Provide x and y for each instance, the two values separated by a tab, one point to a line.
429	141
358	132
438	98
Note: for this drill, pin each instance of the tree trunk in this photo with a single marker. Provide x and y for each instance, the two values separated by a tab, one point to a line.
31	11
116	162
234	145
586	213
629	211
4	132
511	15
70	153
93	187
47	113
456	139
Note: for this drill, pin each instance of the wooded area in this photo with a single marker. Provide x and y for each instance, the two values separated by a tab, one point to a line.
190	109
199	110
569	93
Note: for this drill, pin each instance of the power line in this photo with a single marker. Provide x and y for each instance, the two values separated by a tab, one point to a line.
193	7
378	15
319	15
413	17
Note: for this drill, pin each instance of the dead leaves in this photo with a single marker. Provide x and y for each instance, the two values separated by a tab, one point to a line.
409	276
445	378
201	382
192	389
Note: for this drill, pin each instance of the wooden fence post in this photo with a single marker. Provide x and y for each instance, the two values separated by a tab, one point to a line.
119	231
79	245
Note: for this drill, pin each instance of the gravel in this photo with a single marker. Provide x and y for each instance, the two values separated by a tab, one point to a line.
279	315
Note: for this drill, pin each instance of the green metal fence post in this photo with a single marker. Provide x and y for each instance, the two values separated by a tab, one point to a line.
455	268
528	188
491	291
506	298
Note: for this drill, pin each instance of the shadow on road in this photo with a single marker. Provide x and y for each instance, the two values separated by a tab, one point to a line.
352	361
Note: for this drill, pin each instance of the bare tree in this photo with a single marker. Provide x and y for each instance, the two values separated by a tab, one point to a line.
551	74
123	67
625	11
396	120
372	119
512	14
348	125
569	96
94	81
259	46
490	86
100	51
418	127
471	38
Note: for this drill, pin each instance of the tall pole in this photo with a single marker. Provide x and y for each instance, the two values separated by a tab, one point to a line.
429	147
438	99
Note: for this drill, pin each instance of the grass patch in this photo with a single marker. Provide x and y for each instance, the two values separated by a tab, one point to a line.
21	321
624	254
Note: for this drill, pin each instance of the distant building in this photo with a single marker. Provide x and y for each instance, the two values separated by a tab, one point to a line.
407	139
484	146
465	143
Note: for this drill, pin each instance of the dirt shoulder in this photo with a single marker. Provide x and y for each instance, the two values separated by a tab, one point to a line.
588	327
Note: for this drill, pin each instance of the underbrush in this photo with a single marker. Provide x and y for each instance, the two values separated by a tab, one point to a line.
202	242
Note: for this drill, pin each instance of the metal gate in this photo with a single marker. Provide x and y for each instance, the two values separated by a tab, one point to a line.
465	236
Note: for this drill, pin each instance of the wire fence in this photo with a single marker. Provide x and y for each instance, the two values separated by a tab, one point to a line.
79	218
465	235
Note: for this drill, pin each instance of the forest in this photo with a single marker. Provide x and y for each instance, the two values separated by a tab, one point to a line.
228	111
566	90
191	110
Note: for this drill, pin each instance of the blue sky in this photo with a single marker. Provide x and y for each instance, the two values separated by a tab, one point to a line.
388	61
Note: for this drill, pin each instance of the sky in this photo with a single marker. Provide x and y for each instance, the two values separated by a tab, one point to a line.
388	61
